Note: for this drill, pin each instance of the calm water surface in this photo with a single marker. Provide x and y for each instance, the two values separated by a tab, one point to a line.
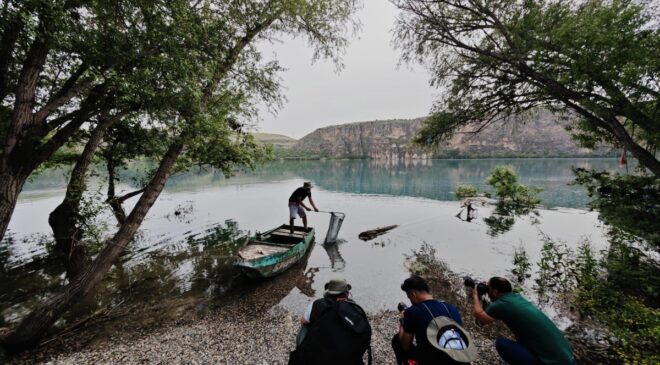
191	252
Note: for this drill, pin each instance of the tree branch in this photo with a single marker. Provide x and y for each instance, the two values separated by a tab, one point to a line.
12	29
69	90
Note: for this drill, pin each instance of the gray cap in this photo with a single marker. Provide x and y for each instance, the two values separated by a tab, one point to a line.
307	184
337	286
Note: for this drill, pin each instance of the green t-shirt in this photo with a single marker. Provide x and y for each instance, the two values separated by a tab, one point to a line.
532	329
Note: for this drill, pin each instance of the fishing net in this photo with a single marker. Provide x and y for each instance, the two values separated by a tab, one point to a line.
336	219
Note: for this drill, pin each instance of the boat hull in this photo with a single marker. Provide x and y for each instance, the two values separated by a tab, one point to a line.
274	264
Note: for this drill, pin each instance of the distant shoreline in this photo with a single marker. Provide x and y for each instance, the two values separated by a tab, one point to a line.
301	158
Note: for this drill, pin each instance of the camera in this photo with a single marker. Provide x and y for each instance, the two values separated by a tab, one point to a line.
482	289
401	307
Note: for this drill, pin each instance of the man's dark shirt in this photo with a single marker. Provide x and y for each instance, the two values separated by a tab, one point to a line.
300	194
320	307
417	318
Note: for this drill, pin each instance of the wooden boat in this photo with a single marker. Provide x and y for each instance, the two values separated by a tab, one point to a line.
270	253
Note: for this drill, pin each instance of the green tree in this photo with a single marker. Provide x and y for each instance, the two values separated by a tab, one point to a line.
513	199
507	189
596	60
69	66
465	191
629	203
218	75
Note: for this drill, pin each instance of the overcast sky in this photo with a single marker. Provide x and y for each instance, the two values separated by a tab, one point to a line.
370	87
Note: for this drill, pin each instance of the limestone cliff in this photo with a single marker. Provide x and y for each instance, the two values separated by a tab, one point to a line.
535	135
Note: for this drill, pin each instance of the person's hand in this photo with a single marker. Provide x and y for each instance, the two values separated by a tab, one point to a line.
309	210
316	209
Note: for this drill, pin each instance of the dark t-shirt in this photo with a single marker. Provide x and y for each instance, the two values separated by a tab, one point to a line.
320	307
417	318
323	305
300	194
532	329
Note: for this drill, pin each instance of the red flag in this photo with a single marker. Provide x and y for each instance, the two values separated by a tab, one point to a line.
623	161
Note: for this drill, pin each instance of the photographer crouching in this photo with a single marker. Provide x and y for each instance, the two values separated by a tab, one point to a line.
538	340
435	327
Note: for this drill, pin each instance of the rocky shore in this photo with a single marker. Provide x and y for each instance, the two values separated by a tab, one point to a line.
246	327
226	337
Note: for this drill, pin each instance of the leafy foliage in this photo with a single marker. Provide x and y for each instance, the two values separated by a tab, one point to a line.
521	268
173	78
555	269
592	62
505	182
628	202
465	191
618	287
513	199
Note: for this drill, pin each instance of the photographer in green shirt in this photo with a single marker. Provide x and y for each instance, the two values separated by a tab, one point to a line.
538	340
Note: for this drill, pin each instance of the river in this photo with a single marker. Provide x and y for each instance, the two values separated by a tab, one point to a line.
186	245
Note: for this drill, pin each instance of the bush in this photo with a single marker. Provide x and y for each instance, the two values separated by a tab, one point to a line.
618	288
505	182
465	191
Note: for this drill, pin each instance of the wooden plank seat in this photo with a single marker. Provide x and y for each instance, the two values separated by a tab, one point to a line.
283	232
253	251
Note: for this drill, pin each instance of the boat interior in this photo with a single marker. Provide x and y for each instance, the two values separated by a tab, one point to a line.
276	241
283	235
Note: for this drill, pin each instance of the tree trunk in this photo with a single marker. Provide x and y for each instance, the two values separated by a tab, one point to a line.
11	184
35	325
115	204
65	220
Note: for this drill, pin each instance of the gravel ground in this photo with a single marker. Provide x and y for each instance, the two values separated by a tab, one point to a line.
227	339
242	328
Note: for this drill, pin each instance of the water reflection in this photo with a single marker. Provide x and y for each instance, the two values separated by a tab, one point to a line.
198	264
438	178
504	216
337	262
184	255
434	179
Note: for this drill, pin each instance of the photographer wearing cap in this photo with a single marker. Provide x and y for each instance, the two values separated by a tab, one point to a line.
335	330
335	290
414	322
539	341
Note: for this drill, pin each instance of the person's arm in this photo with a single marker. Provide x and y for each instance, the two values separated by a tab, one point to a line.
312	203
305	319
299	201
479	314
405	338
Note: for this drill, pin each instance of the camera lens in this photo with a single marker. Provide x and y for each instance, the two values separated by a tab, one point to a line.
482	289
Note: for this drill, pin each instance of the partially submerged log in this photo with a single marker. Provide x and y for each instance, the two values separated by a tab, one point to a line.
478	201
373	233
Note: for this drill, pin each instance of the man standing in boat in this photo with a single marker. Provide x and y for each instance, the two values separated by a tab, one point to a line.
296	204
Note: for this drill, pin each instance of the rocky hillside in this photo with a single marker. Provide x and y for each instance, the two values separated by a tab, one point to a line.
535	135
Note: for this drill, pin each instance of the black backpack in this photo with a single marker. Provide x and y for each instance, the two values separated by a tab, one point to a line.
340	336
